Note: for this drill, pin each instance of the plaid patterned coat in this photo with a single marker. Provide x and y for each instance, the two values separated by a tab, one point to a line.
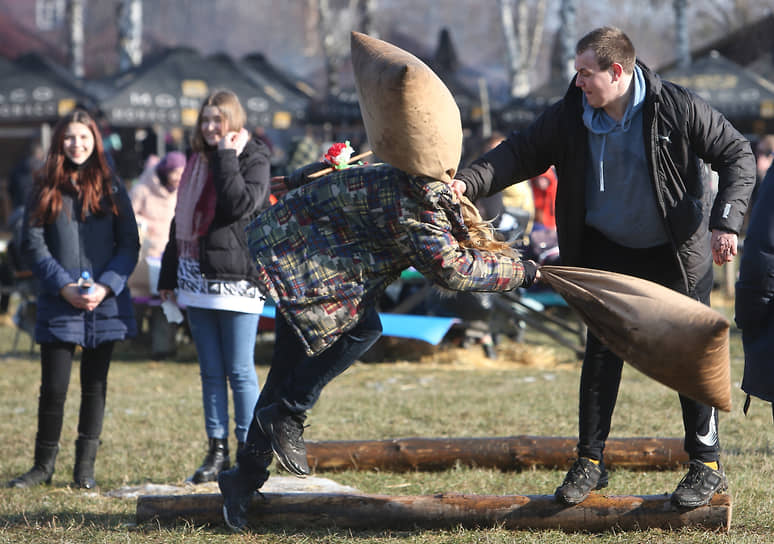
327	250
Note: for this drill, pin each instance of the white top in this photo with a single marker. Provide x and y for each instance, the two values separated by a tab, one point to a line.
195	290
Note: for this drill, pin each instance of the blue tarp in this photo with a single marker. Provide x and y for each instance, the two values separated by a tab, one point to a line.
429	329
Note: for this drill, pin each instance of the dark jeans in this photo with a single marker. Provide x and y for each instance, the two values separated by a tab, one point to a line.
56	360
601	371
296	380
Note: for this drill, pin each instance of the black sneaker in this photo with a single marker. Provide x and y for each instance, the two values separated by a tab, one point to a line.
699	485
583	477
237	491
286	432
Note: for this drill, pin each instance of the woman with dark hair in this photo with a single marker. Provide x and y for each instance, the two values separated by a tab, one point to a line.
80	240
224	184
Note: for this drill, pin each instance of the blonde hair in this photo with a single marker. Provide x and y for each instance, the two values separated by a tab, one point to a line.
482	235
229	106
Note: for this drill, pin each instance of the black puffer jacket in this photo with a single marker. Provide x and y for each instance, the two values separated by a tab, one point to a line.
105	245
754	302
242	187
681	131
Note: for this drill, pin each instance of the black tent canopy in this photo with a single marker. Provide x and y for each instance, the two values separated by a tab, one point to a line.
287	89
741	95
340	108
521	111
35	89
445	63
169	88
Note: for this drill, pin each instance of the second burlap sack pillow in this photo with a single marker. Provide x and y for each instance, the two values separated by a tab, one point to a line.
668	336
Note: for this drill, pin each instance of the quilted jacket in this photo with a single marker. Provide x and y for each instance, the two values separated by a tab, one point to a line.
327	250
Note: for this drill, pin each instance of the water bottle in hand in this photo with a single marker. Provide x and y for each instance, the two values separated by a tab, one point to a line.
85	282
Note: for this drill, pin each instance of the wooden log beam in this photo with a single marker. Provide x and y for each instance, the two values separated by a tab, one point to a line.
446	511
505	453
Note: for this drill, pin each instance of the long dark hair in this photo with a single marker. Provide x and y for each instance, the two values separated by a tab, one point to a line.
94	175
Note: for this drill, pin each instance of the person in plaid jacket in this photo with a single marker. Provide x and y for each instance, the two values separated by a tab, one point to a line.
325	253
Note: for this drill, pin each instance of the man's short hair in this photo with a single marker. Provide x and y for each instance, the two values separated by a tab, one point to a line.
610	45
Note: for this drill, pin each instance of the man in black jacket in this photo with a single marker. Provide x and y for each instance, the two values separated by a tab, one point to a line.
633	197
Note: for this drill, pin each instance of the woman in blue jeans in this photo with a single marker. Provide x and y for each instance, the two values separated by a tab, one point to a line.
206	266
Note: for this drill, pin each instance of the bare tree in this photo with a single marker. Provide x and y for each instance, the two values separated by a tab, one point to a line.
682	34
367	23
75	37
522	41
728	15
566	52
129	34
334	27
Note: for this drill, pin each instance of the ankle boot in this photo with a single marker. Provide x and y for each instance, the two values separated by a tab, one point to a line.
43	470
85	455
217	459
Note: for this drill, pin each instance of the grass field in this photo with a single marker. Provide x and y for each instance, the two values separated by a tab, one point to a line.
154	434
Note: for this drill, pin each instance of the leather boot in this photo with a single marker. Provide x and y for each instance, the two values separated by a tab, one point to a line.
43	470
85	455
238	484
217	459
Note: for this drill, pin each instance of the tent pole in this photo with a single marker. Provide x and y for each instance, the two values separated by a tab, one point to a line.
45	136
161	140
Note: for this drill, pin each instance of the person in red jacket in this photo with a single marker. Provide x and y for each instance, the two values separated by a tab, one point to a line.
544	196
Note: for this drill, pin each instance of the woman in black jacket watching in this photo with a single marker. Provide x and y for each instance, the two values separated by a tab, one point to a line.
225	183
80	240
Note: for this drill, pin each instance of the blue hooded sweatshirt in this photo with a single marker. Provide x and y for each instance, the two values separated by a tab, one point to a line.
620	200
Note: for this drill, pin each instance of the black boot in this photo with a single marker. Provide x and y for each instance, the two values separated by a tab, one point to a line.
238	484
286	432
43	470
85	455
217	459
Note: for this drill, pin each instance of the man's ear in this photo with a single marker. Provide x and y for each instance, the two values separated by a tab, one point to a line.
617	70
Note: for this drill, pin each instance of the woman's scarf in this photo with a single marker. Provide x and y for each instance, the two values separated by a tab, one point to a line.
195	208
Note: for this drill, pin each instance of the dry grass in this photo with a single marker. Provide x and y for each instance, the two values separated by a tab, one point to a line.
154	434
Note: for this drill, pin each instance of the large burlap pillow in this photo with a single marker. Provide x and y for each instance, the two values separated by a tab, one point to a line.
668	336
410	117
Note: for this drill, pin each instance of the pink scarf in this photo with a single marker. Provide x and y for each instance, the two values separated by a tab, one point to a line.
195	208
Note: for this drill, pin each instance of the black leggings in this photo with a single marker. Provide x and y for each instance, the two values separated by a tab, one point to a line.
601	371
56	360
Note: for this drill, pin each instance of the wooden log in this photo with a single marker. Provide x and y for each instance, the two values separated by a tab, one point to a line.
446	511
505	453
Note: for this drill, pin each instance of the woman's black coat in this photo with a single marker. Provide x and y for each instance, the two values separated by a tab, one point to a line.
105	245
242	186
755	293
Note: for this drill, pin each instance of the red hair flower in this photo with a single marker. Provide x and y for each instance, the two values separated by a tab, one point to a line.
339	155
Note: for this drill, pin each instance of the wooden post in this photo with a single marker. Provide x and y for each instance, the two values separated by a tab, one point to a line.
445	511
505	453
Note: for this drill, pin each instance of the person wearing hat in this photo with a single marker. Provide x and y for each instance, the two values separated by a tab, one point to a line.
153	198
